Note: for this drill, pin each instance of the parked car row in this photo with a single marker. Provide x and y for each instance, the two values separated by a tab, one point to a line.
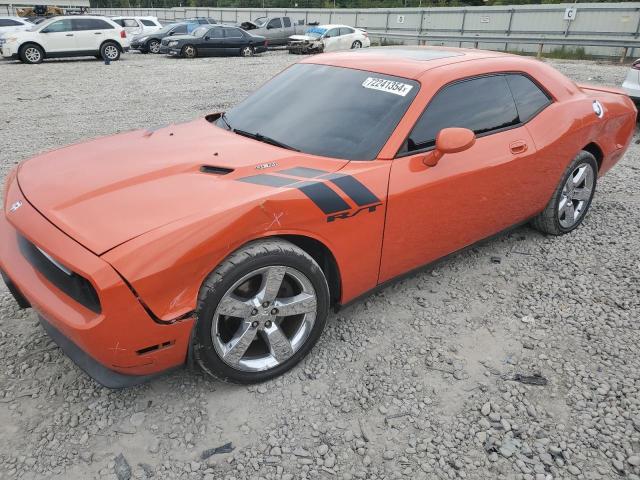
107	38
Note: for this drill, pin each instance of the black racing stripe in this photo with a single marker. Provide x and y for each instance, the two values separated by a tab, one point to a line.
303	172
325	198
352	187
268	180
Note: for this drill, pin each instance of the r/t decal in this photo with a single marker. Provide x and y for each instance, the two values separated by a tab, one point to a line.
352	213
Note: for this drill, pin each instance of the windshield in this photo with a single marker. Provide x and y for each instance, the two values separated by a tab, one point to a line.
327	111
200	31
260	21
315	32
43	24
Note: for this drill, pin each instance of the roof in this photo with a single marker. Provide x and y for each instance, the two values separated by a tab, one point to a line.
408	62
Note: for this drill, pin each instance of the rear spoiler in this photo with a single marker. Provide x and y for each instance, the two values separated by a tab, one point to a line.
598	88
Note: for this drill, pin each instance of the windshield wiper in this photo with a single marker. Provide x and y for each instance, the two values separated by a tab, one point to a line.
262	138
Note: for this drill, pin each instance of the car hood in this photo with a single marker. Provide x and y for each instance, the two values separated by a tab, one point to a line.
110	190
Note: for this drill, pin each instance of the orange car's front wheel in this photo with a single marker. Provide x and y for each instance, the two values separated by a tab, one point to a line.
260	312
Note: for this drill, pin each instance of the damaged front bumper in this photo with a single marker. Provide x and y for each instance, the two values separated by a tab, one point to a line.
305	47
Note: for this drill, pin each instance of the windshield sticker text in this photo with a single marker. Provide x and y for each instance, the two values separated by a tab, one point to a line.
389	86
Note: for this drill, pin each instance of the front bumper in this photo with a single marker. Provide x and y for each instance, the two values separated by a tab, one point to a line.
121	344
164	49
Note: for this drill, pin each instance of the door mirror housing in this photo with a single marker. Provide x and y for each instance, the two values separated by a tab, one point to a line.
207	37
450	140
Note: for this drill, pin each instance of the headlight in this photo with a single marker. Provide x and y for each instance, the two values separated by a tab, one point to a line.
173	43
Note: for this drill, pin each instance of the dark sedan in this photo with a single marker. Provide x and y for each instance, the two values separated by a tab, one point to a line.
150	42
214	40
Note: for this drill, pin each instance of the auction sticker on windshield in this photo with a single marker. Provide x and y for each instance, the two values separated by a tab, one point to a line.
389	86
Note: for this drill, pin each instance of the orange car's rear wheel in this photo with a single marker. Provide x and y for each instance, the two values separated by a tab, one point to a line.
572	198
260	312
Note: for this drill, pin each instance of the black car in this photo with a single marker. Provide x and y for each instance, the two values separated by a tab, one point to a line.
211	40
150	42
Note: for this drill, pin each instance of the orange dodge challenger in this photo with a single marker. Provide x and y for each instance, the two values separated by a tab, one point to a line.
226	240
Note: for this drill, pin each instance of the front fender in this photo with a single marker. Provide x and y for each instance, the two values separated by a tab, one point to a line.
167	266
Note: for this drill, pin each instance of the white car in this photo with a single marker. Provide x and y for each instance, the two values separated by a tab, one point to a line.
13	24
138	25
631	84
328	38
67	36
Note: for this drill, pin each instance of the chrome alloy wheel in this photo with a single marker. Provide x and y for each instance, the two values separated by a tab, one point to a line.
111	52
32	54
154	46
576	193
246	52
264	318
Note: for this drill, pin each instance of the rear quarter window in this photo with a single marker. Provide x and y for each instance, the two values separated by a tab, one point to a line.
148	23
530	98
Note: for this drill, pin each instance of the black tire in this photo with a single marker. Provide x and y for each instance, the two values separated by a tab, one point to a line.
110	51
189	51
31	53
153	46
549	221
356	44
247	51
254	256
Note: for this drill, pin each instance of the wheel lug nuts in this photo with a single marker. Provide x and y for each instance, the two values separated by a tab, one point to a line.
265	304
267	324
274	311
254	311
255	324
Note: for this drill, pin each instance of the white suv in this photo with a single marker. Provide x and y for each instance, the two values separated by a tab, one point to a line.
138	25
72	36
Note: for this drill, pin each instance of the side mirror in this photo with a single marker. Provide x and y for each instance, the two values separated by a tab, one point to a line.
450	140
171	34
269	27
207	37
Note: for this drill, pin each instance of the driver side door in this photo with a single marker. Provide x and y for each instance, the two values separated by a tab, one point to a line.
59	37
212	42
466	196
331	40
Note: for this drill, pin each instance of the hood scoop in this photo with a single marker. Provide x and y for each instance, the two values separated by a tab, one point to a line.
213	170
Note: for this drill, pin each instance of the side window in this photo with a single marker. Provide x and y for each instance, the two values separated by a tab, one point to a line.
148	23
90	24
481	104
7	22
59	26
179	30
346	31
275	23
530	99
212	21
119	21
334	32
130	22
232	33
215	33
287	21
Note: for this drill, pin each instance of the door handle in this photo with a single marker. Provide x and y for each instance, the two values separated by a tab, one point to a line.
69	35
519	146
97	33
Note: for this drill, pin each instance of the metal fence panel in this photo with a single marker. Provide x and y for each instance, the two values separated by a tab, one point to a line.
526	28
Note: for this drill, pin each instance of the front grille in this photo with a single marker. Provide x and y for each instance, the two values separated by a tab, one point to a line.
68	282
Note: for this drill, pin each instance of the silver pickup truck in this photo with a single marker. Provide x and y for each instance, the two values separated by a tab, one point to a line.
276	30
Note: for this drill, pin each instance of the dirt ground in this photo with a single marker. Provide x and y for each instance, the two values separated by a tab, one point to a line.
418	381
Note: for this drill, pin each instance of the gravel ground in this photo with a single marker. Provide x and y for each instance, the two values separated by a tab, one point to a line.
415	382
